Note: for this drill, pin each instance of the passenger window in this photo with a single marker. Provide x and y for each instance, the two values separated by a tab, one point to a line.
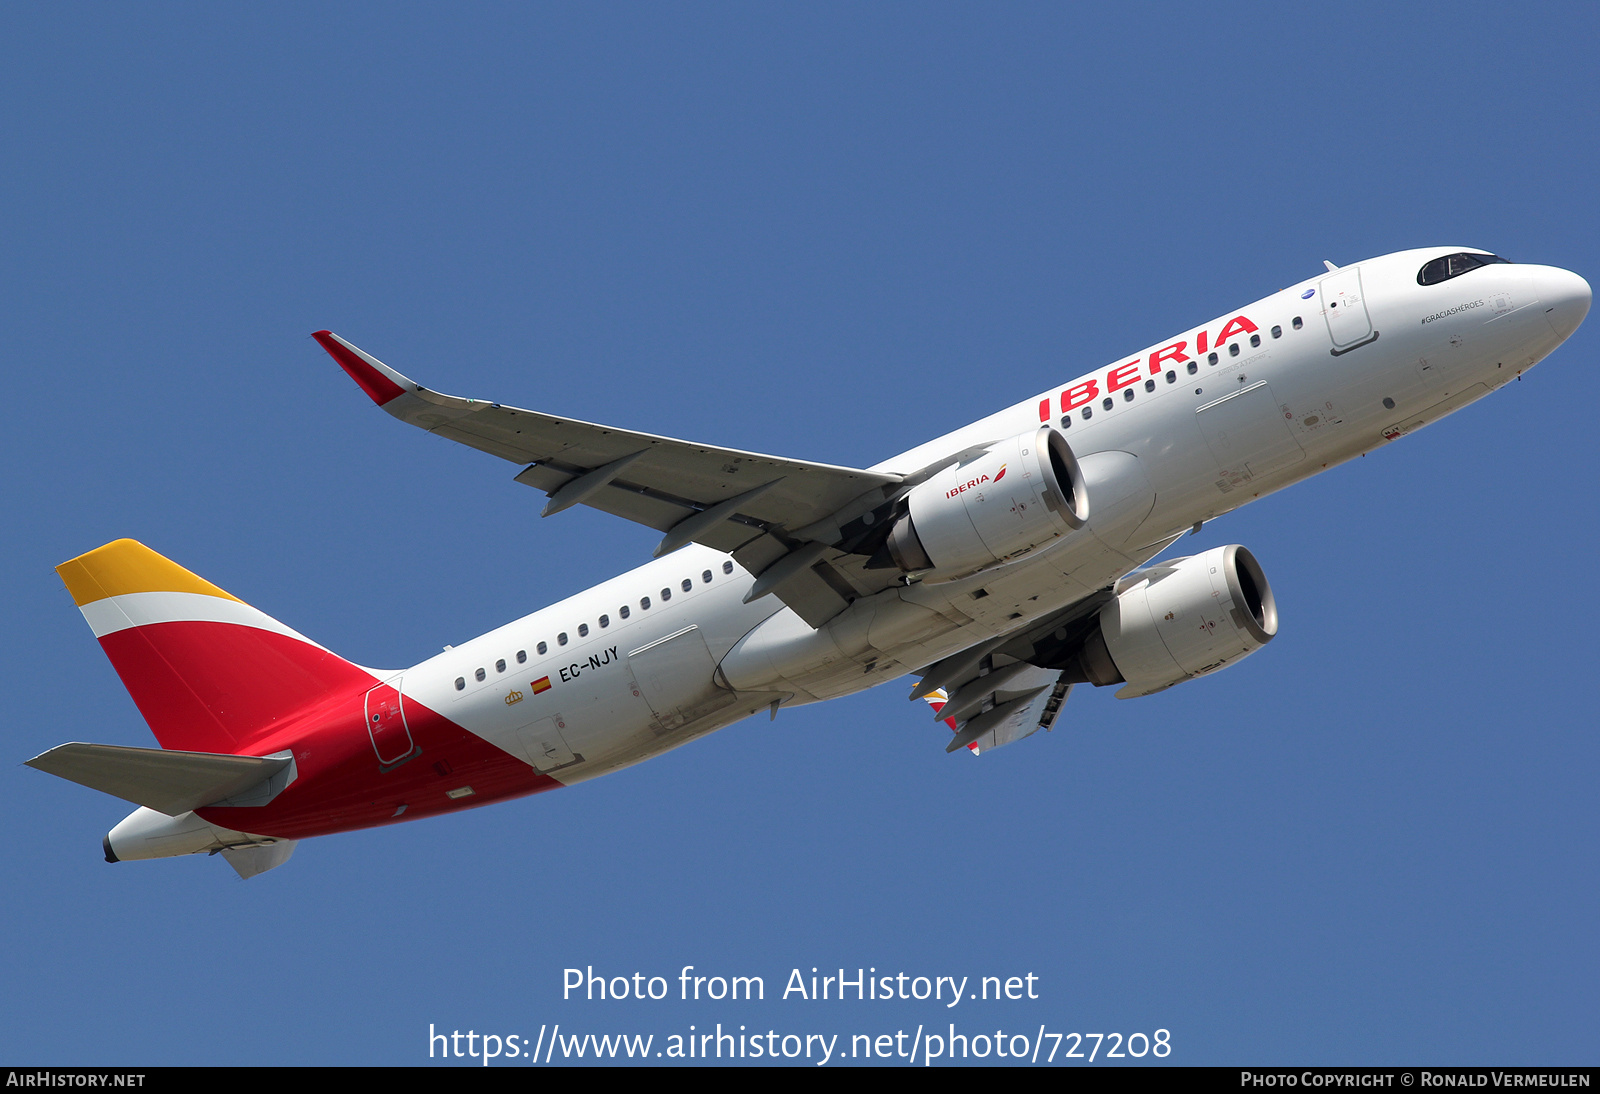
605	621
706	577
1255	340
1088	412
1212	359
1107	403
727	567
583	630
561	639
1066	421
687	584
544	648
1127	394
1194	366
1233	349
1172	377
1277	332
1149	385
479	675
500	665
644	602
1298	323
461	683
666	595
623	611
522	657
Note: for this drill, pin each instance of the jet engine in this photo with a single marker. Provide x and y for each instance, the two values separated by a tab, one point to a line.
1018	496
1173	622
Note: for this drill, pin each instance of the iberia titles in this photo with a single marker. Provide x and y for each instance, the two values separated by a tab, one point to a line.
970	484
1159	360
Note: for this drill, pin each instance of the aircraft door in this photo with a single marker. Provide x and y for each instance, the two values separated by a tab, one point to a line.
1345	307
386	725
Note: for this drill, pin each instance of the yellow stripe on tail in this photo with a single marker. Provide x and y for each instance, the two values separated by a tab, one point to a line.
128	566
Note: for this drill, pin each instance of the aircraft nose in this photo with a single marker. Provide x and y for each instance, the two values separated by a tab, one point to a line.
1565	298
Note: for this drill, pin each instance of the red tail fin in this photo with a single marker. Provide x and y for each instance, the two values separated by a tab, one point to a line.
208	672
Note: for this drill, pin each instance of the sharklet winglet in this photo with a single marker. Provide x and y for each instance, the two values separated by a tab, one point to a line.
381	383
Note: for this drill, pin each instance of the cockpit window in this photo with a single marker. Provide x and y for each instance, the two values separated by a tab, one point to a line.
1443	269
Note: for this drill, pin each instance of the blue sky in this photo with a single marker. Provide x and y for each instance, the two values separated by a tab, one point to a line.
829	232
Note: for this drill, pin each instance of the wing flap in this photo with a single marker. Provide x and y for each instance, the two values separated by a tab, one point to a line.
1011	719
1002	670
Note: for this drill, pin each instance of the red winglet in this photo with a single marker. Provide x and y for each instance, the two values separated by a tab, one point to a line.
379	387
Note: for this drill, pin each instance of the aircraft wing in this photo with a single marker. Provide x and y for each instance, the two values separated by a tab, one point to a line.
1004	688
1022	707
776	516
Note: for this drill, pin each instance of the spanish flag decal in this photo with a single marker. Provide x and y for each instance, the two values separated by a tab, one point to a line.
541	685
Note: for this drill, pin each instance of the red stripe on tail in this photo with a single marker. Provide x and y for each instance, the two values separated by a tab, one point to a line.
219	687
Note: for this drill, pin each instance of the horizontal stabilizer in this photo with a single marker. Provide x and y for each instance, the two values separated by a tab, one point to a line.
167	781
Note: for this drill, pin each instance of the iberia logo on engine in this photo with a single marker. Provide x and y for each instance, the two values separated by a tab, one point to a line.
970	483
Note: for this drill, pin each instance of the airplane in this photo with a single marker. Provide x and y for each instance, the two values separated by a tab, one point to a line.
1002	564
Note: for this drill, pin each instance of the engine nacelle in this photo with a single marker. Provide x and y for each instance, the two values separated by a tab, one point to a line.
1017	497
1178	620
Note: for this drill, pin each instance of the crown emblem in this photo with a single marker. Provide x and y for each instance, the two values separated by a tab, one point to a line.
513	696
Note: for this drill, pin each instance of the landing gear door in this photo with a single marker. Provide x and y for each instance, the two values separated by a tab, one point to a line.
1345	307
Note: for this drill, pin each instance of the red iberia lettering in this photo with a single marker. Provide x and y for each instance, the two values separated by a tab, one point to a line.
1122	376
1200	342
1173	353
1078	394
1237	325
970	484
1044	410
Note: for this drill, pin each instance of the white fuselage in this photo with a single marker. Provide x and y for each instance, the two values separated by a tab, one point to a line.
1183	440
